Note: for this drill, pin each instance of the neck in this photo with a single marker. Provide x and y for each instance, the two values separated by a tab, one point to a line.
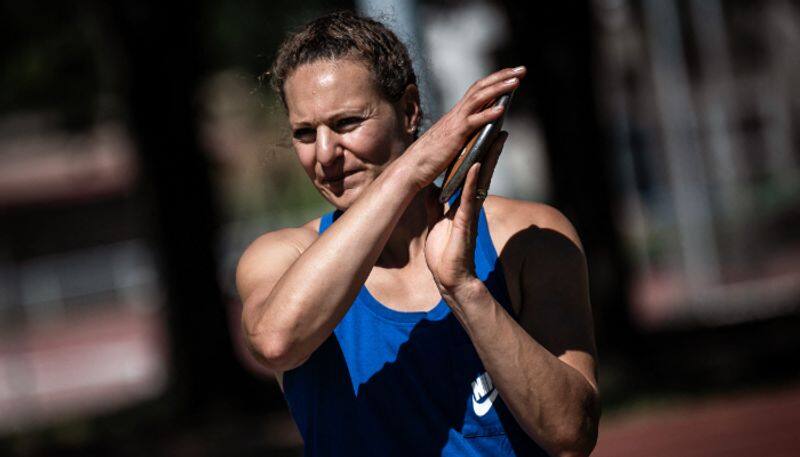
406	244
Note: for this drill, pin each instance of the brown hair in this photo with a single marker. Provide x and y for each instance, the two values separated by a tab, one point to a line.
345	34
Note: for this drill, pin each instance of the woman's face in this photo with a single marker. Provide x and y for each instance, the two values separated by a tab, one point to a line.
343	130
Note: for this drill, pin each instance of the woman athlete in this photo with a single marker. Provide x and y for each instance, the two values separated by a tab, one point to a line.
397	325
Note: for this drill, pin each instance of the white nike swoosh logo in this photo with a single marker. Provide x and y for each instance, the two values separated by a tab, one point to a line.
483	407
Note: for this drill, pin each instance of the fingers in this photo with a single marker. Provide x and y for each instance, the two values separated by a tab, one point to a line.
490	161
468	204
449	134
483	98
476	105
477	120
479	176
496	77
466	201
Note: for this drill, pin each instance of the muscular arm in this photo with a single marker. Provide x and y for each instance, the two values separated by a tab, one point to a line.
543	365
295	290
296	287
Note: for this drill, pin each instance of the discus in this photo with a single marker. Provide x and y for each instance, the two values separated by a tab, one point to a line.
473	151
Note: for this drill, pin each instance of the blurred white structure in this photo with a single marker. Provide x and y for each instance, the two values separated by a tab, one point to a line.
81	328
706	134
452	47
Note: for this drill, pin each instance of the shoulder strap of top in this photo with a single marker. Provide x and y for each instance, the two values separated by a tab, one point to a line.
486	250
327	219
487	254
484	241
488	267
486	258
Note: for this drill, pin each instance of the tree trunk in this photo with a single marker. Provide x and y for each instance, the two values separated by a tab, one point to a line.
160	42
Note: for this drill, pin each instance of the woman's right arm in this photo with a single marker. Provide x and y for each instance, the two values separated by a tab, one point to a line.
296	285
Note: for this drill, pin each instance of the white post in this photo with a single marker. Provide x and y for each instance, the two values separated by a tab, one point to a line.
686	171
402	17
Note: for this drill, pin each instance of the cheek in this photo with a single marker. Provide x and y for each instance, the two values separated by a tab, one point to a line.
372	145
306	156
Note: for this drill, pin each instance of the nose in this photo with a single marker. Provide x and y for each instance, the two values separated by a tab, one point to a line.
328	148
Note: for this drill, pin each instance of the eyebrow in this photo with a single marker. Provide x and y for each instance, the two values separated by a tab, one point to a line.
343	113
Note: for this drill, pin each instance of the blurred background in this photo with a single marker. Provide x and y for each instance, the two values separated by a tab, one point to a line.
141	151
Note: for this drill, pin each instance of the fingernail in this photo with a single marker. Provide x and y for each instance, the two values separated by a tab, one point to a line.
519	69
498	108
512	81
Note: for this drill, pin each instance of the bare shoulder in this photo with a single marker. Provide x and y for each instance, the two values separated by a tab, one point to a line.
508	217
271	254
547	278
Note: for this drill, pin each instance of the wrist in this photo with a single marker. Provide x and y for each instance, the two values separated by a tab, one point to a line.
466	293
417	160
404	174
471	304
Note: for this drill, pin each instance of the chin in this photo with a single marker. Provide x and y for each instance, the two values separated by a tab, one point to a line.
341	199
343	196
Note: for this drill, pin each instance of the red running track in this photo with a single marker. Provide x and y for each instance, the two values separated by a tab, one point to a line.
763	424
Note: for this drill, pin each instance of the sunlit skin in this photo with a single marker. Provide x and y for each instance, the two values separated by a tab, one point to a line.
358	149
344	131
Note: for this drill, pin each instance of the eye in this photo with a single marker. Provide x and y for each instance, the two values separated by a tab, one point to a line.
348	123
304	135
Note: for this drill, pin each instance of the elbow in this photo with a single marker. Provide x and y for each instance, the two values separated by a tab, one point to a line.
272	349
579	437
274	352
576	444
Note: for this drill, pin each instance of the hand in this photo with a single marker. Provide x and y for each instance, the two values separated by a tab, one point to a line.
435	149
450	245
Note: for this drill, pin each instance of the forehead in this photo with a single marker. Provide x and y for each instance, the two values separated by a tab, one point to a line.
324	87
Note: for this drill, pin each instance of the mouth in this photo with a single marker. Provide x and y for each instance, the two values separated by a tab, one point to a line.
338	178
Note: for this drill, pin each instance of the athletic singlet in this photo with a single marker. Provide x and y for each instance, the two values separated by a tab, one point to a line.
391	383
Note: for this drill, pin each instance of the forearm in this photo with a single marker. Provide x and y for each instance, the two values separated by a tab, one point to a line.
313	295
552	401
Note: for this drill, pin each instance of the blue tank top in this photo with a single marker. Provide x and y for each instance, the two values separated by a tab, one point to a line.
391	383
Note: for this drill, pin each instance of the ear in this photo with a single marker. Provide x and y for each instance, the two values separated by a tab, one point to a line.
410	109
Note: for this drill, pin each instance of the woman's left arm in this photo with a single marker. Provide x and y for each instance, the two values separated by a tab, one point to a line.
543	363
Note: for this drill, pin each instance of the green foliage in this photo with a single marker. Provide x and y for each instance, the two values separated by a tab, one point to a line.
63	57
50	60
